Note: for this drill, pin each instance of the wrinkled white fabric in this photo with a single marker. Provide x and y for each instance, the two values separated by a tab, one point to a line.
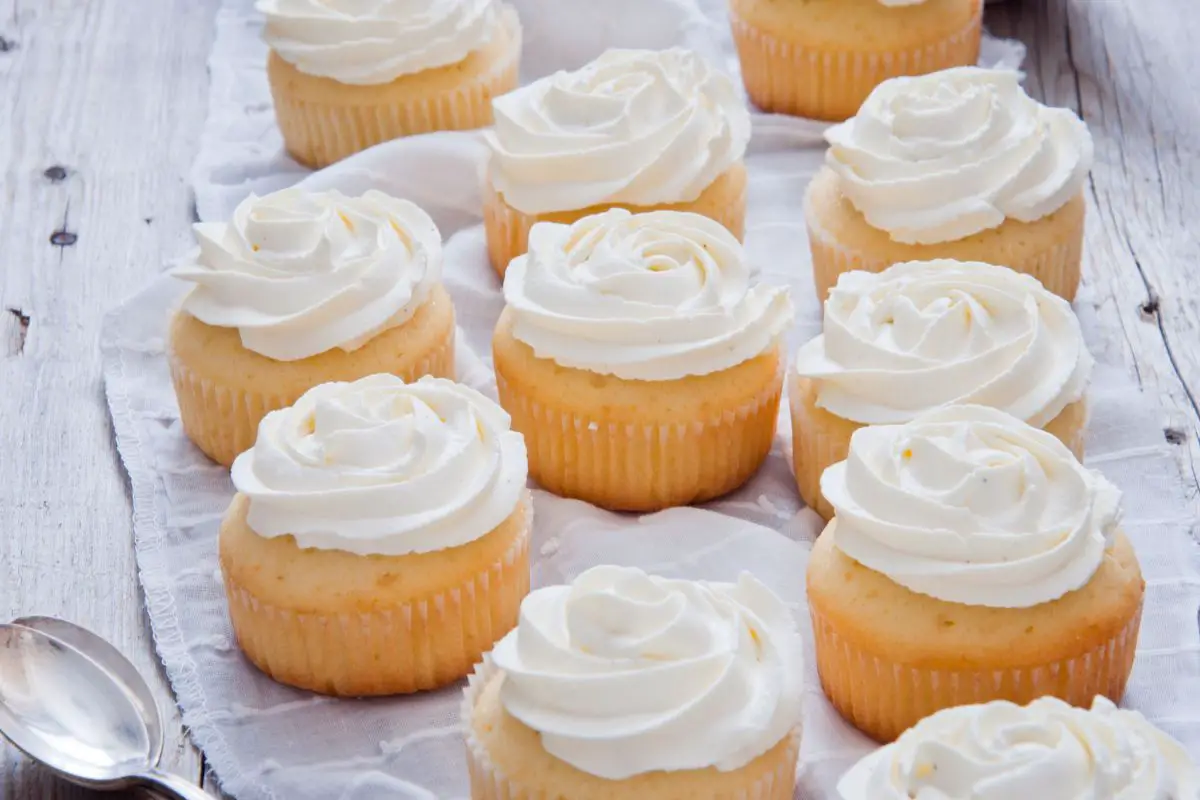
411	748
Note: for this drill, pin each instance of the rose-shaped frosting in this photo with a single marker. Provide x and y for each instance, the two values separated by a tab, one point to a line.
624	673
653	296
938	157
300	273
928	333
381	467
377	41
641	127
1047	750
970	505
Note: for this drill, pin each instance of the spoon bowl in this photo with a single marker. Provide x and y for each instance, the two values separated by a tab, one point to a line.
111	659
61	708
76	705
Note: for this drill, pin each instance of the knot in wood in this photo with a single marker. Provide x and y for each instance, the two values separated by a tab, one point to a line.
63	238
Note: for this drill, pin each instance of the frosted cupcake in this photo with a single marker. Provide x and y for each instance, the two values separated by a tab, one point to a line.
821	58
636	129
1046	749
971	559
639	362
301	289
926	334
347	75
378	542
957	164
625	684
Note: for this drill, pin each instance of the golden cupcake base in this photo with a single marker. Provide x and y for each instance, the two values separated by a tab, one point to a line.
638	445
840	240
342	624
508	229
889	657
821	60
506	761
224	390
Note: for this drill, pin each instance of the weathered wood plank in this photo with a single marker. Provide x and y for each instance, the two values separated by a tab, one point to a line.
1125	67
101	105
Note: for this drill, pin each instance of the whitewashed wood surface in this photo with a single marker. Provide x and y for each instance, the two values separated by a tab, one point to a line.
101	102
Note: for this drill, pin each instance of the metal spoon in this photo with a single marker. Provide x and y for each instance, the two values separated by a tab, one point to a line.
111	659
66	709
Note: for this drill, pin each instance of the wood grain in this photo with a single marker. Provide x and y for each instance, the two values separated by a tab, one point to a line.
1124	66
101	105
102	102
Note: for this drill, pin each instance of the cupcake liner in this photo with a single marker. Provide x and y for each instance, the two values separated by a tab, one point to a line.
423	644
790	78
508	229
222	420
816	445
1070	426
776	781
814	449
318	132
643	466
1059	267
883	698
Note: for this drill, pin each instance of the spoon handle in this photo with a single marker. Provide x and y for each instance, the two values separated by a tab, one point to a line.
172	786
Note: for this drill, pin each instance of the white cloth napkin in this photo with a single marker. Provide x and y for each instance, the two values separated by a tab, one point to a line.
268	741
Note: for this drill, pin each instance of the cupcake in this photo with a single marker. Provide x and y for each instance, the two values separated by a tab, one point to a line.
821	58
625	684
1047	749
378	542
971	558
640	364
301	289
958	164
635	129
926	334
345	76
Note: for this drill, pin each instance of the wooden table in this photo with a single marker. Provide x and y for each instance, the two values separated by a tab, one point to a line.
102	103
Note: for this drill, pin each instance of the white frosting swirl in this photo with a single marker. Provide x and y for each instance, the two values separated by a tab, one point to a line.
300	273
370	42
939	157
970	505
381	467
653	296
928	333
624	673
641	127
1048	749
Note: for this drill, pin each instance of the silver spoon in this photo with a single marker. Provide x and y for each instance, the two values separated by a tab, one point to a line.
111	659
72	713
